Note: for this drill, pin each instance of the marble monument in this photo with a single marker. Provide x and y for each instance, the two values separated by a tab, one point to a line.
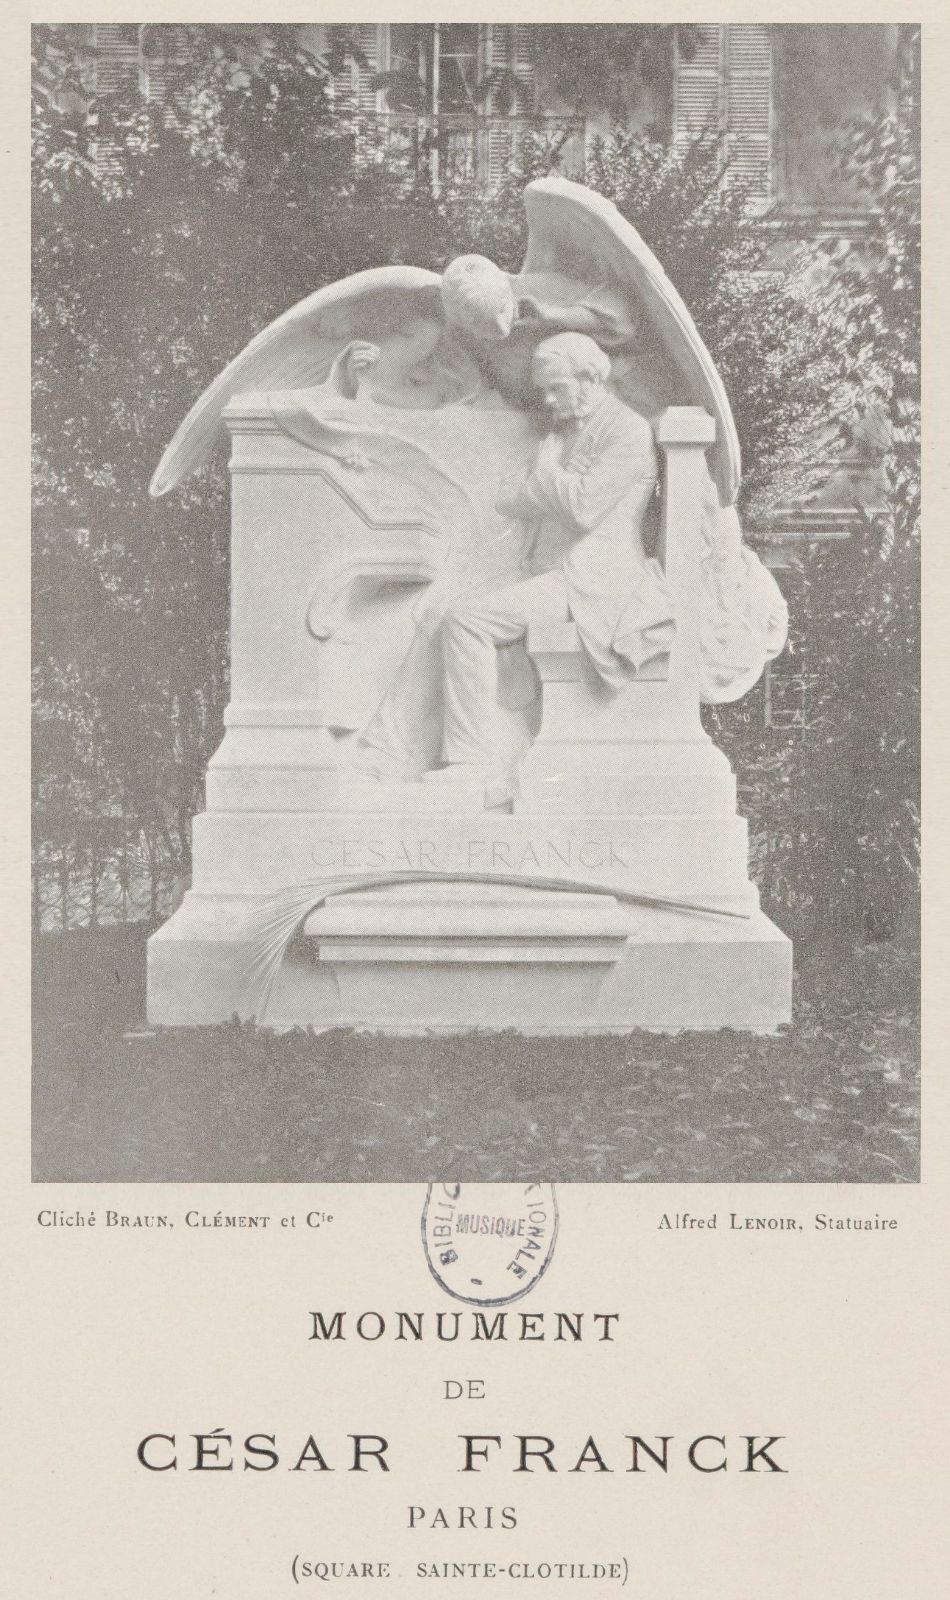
486	566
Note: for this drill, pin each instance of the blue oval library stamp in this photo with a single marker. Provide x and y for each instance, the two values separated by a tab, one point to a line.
489	1243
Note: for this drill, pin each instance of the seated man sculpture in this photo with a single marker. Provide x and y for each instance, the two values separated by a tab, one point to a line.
579	512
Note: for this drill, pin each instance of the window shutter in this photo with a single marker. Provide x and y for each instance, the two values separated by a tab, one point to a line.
498	58
118	55
509	49
155	75
117	67
355	82
499	144
162	49
749	105
501	152
698	93
523	68
727	89
497	46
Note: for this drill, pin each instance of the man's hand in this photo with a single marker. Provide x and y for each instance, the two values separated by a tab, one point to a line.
549	454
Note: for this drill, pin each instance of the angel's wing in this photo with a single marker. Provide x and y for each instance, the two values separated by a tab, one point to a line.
297	351
578	233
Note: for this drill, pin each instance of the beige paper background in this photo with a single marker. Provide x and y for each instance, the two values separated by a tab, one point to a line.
837	1342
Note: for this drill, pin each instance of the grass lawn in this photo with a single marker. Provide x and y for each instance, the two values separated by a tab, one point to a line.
834	1098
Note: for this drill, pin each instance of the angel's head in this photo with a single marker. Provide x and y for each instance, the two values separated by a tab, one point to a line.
569	371
477	296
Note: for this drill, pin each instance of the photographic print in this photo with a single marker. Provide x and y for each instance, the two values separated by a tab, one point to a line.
476	792
476	602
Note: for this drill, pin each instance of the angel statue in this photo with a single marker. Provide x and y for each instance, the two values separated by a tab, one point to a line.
513	412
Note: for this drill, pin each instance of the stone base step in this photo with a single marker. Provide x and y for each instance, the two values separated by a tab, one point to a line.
495	923
670	971
432	911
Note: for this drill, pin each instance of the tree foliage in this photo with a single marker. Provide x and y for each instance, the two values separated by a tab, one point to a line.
840	805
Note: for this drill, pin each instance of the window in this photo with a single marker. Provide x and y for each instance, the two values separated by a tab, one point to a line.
407	62
724	86
465	87
455	53
462	66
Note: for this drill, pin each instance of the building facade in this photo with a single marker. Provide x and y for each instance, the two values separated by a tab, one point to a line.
776	92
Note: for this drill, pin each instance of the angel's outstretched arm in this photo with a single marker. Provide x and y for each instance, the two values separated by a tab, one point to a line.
565	318
605	318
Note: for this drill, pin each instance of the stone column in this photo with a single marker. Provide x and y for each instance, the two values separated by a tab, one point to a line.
684	433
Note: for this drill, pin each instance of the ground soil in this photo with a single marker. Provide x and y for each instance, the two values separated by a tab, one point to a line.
834	1098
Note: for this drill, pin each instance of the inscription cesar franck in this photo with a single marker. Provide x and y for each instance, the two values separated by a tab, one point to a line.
486	565
534	853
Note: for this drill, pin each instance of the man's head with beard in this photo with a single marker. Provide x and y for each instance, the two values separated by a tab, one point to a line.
570	372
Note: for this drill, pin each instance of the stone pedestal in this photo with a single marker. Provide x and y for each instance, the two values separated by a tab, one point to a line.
613	894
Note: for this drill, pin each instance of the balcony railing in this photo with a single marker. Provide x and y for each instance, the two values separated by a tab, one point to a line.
457	146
